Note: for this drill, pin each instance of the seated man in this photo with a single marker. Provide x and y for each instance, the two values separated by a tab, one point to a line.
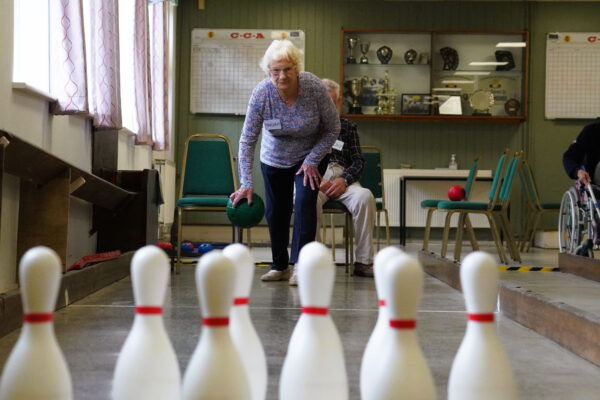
340	183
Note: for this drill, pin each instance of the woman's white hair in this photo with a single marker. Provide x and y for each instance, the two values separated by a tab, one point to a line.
331	86
282	50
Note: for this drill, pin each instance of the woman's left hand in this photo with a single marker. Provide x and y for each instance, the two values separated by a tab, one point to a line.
311	174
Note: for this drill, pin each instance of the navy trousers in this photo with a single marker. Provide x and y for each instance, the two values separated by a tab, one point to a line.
279	193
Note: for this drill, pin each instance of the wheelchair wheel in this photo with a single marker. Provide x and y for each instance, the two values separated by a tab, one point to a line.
569	232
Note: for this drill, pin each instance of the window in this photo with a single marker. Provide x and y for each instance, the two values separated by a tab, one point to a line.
126	35
31	44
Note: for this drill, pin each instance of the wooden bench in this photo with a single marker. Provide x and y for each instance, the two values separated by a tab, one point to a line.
46	185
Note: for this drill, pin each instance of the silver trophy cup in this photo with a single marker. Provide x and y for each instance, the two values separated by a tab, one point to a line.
364	49
356	90
352	42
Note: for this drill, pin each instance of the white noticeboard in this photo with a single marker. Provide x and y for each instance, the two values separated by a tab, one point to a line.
573	75
225	68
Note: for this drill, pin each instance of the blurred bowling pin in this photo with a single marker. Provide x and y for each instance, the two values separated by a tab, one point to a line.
215	370
314	365
481	369
36	368
371	354
242	330
147	366
401	371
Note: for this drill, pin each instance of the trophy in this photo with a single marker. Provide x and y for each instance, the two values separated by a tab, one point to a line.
384	54
352	42
364	49
386	98
410	56
481	102
355	90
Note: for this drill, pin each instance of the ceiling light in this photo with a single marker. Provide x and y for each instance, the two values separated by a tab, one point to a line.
446	89
487	63
472	73
511	44
457	82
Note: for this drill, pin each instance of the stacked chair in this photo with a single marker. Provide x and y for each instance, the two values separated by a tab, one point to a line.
431	205
495	209
534	207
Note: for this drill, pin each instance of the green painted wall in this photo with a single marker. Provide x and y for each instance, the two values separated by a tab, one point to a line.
423	145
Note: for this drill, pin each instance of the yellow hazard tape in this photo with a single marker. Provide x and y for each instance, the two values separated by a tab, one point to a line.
528	269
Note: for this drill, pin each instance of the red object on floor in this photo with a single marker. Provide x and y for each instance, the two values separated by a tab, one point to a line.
165	245
94	258
456	193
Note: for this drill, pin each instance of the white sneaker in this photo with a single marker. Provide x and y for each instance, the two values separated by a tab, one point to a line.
275	275
294	277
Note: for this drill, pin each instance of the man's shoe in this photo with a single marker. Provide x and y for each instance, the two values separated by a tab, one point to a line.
294	277
276	275
365	270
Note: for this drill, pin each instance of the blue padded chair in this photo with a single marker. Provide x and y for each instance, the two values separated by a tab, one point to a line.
431	205
207	178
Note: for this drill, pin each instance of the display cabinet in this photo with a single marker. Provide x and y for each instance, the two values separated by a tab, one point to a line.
434	75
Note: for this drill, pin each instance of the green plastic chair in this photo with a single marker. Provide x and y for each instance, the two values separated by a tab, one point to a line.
372	179
207	178
496	210
431	205
535	208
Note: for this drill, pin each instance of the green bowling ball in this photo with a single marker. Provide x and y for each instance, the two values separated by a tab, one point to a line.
244	215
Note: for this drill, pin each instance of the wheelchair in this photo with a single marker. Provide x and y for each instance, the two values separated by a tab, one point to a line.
578	220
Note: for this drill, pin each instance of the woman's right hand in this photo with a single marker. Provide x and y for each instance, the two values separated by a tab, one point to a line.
241	193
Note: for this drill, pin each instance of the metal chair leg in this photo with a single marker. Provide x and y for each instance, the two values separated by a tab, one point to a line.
179	229
377	227
333	237
346	243
510	239
387	228
496	236
459	235
471	232
427	228
445	235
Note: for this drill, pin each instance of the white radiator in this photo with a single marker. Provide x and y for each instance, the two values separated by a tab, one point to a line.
418	190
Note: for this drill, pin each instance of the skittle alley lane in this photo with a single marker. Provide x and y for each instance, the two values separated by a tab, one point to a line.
92	331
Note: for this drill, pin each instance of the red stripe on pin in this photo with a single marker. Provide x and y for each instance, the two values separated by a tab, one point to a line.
215	321
315	310
148	310
240	301
36	318
382	303
481	317
403	323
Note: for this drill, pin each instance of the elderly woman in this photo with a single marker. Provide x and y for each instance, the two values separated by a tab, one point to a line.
300	123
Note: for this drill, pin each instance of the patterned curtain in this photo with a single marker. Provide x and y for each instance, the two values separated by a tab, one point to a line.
159	75
103	72
141	73
67	57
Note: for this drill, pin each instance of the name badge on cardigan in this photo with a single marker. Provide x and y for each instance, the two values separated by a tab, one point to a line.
271	124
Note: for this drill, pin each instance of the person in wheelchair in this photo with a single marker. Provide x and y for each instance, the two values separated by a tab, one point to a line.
584	152
581	162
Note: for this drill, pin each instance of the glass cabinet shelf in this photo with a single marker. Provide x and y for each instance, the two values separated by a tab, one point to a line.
434	75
